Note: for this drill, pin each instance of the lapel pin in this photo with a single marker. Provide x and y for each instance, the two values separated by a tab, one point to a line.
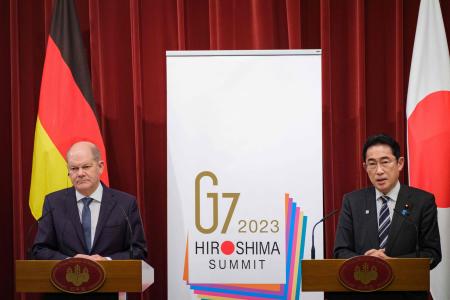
367	211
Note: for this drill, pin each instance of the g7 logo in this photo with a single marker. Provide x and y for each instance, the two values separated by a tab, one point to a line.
215	199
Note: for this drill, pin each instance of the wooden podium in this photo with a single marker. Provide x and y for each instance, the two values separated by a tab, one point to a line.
409	274
34	276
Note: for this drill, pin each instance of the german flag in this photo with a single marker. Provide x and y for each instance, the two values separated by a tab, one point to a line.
66	107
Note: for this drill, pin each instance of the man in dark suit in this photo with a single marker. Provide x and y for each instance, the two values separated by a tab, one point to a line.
370	221
89	220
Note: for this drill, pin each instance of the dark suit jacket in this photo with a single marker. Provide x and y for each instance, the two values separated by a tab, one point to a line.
357	231
60	234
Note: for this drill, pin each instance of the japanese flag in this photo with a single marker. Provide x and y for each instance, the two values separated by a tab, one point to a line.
428	121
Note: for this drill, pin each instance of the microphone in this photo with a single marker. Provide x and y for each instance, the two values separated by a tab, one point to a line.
27	236
313	249
131	231
404	213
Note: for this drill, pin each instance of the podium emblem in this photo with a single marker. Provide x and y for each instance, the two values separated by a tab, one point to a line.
365	274
77	275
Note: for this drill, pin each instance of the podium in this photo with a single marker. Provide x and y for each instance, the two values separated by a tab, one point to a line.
409	274
34	276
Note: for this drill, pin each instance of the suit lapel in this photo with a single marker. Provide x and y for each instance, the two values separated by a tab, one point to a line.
372	218
106	207
397	221
74	216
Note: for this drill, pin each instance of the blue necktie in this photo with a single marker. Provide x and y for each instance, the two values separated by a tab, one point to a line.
384	222
86	221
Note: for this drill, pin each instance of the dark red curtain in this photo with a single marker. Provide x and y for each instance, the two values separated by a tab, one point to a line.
367	46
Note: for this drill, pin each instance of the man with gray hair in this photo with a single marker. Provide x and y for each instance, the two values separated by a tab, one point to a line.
89	220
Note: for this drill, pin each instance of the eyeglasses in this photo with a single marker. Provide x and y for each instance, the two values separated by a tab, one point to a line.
84	168
384	163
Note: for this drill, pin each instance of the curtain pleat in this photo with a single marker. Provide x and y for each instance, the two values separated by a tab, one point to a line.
366	53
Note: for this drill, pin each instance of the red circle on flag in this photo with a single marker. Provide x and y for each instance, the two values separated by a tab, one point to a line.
227	247
429	146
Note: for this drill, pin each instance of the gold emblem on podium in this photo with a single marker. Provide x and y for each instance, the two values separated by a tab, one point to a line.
76	277
364	275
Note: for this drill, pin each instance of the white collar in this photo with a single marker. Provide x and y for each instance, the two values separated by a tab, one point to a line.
96	195
393	194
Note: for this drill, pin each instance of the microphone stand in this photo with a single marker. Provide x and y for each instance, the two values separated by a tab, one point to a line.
131	232
35	224
313	249
402	214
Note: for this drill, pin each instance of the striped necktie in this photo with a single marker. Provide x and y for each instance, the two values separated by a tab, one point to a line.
384	222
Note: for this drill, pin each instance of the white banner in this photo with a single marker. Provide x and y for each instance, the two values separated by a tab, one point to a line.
244	135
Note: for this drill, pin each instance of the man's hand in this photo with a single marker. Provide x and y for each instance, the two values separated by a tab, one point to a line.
94	257
377	252
97	257
82	256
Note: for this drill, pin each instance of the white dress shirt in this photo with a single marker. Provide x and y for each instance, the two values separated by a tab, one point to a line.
94	207
393	195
